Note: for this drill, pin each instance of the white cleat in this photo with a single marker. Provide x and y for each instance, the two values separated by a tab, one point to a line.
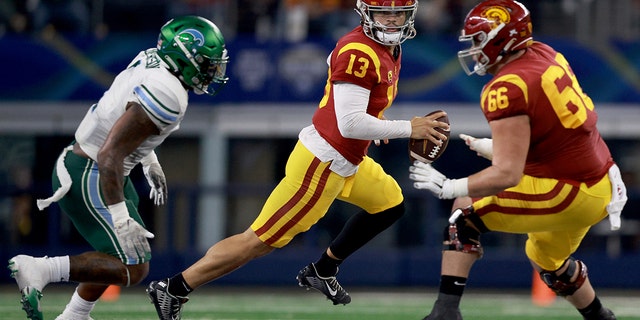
29	271
31	275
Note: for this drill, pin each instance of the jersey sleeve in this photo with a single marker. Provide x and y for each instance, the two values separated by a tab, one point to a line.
356	63
163	102
505	97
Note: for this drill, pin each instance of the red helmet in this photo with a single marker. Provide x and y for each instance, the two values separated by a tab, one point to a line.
380	33
495	28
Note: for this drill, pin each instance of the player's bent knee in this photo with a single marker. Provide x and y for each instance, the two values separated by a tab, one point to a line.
463	232
136	273
561	284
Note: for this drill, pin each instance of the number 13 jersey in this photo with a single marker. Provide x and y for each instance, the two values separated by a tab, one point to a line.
361	61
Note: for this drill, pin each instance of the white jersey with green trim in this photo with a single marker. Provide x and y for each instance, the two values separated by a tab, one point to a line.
148	82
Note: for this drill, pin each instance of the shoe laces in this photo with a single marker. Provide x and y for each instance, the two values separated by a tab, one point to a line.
333	282
170	304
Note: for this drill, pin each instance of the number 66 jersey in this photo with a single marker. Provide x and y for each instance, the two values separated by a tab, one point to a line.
565	143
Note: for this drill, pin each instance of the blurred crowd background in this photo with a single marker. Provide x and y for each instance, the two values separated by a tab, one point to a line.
60	55
296	20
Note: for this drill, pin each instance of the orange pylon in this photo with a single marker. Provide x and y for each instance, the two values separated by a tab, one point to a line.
541	295
111	294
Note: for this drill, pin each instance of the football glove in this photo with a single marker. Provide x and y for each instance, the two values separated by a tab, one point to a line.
157	182
131	235
618	197
426	177
483	146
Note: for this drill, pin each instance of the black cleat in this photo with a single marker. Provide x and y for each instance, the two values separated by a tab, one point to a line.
168	306
308	277
606	314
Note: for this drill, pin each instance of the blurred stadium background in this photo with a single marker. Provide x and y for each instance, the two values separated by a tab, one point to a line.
60	55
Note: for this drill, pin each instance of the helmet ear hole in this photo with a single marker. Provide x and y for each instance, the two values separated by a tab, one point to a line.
182	65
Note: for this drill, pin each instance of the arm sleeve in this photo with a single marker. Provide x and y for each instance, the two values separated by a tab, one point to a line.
353	120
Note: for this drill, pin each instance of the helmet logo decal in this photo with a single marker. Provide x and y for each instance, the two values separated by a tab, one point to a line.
497	15
192	35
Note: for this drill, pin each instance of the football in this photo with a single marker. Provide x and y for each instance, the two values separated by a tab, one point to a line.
426	151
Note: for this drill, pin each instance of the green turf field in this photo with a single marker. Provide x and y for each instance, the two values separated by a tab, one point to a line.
296	303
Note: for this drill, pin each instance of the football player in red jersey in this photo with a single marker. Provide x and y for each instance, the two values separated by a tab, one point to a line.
551	177
330	162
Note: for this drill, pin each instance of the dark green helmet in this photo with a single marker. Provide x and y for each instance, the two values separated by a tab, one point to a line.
193	47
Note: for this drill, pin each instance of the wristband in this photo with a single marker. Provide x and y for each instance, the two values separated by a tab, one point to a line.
118	212
460	187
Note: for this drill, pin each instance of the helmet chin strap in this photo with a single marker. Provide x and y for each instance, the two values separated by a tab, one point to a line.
186	52
500	56
481	70
189	56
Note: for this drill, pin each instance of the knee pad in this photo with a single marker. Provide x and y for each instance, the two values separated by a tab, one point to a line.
463	232
561	284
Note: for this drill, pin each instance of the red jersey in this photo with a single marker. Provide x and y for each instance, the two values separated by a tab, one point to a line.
359	60
565	143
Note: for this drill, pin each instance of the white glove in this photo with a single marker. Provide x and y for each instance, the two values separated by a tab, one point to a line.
426	177
155	178
157	182
483	146
618	197
131	235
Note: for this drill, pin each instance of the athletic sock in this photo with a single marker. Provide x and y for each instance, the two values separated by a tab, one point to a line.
59	268
450	294
178	286
78	308
327	266
592	311
452	285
